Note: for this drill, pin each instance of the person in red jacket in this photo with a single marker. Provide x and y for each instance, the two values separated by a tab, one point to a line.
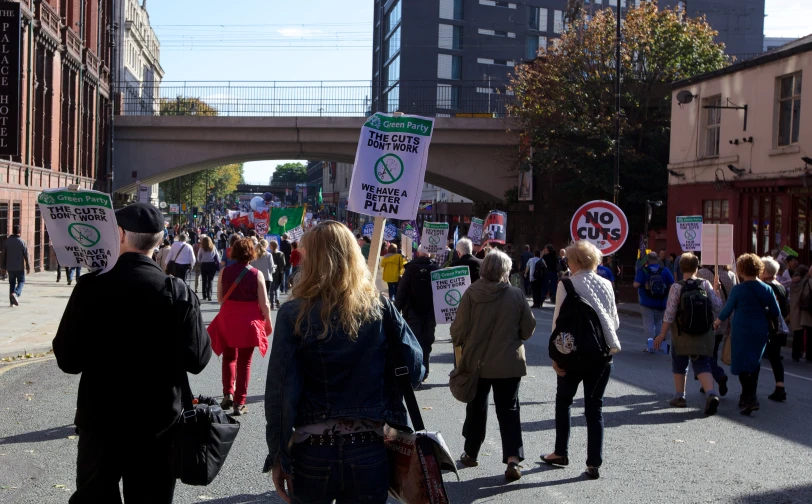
295	259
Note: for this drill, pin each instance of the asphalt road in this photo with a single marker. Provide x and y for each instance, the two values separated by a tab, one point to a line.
653	453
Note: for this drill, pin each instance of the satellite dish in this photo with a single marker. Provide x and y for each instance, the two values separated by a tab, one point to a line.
684	97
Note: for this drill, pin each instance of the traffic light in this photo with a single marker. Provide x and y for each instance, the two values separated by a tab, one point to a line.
194	212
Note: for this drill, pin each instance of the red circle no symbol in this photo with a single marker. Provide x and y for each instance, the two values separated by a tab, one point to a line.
601	223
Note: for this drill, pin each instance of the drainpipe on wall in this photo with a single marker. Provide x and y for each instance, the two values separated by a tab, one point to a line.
114	78
80	88
30	85
98	99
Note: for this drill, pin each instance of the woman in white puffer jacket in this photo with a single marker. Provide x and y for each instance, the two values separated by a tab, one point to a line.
583	259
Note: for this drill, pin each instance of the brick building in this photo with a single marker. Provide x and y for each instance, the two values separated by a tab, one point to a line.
64	112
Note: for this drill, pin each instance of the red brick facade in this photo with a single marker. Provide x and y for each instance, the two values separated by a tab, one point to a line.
65	99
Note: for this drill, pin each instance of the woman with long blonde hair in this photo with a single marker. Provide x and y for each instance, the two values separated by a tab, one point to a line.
329	392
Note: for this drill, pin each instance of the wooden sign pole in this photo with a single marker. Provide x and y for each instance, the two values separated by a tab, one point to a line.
375	247
716	260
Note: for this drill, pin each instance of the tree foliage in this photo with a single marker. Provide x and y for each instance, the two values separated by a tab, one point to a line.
220	182
290	172
186	106
565	99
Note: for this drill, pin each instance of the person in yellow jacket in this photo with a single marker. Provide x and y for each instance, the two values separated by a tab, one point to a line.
392	264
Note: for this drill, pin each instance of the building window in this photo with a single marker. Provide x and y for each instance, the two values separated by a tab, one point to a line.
713	119
558	21
497	3
393	17
16	212
393	72
766	221
532	47
451	9
393	99
537	18
449	67
448	97
496	33
789	109
392	44
4	219
716	212
450	37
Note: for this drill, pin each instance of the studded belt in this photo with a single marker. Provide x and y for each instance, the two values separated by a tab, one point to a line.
355	438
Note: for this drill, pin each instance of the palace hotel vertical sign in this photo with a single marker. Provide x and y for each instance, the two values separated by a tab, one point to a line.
9	78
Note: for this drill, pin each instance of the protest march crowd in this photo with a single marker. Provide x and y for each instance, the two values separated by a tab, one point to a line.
353	339
338	327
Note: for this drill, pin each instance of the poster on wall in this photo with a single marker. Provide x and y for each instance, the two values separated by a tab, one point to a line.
525	186
10	80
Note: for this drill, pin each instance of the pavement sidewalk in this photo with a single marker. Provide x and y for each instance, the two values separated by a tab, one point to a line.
32	326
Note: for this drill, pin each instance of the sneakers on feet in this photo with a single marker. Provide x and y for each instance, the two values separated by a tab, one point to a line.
513	472
468	461
711	405
678	402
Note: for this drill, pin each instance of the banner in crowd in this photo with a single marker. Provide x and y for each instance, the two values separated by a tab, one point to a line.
283	220
242	220
475	230
785	254
602	224
367	230
447	286
390	232
269	238
296	234
689	232
409	229
390	166
495	227
717	244
435	236
174	209
82	227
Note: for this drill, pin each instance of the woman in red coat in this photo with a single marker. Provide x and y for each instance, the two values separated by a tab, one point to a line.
244	323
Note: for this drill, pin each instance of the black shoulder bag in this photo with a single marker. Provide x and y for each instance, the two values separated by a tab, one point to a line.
206	432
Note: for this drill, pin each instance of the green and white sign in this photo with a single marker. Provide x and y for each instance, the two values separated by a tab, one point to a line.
435	236
390	165
82	227
447	287
689	232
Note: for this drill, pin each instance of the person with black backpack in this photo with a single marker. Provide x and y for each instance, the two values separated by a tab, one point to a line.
415	299
581	346
652	283
692	305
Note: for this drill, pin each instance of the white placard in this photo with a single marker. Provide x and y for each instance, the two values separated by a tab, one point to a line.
447	287
710	254
435	236
82	226
689	232
390	165
475	230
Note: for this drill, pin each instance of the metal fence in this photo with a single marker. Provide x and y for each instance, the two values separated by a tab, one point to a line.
316	99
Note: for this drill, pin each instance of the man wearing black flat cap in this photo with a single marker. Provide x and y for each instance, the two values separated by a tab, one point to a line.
131	334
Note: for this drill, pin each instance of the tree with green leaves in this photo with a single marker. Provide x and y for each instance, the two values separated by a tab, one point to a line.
218	182
289	173
185	106
565	102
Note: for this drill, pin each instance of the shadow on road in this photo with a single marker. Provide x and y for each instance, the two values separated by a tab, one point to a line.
791	495
40	435
248	499
487	487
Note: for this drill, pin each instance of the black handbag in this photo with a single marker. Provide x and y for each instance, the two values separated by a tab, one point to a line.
205	438
171	265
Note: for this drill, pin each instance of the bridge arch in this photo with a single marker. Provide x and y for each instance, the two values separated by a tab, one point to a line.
471	157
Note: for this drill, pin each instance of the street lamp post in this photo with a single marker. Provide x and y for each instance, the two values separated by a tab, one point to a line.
648	218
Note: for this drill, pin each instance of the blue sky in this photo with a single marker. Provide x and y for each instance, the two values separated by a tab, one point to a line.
308	40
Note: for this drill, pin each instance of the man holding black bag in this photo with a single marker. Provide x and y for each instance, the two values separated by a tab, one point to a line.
106	318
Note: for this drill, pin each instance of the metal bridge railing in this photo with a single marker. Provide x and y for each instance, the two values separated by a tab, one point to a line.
316	99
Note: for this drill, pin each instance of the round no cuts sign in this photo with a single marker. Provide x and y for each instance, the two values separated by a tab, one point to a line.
82	227
601	223
447	286
390	165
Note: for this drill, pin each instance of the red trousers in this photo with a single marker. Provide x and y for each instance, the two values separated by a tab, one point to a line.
237	368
